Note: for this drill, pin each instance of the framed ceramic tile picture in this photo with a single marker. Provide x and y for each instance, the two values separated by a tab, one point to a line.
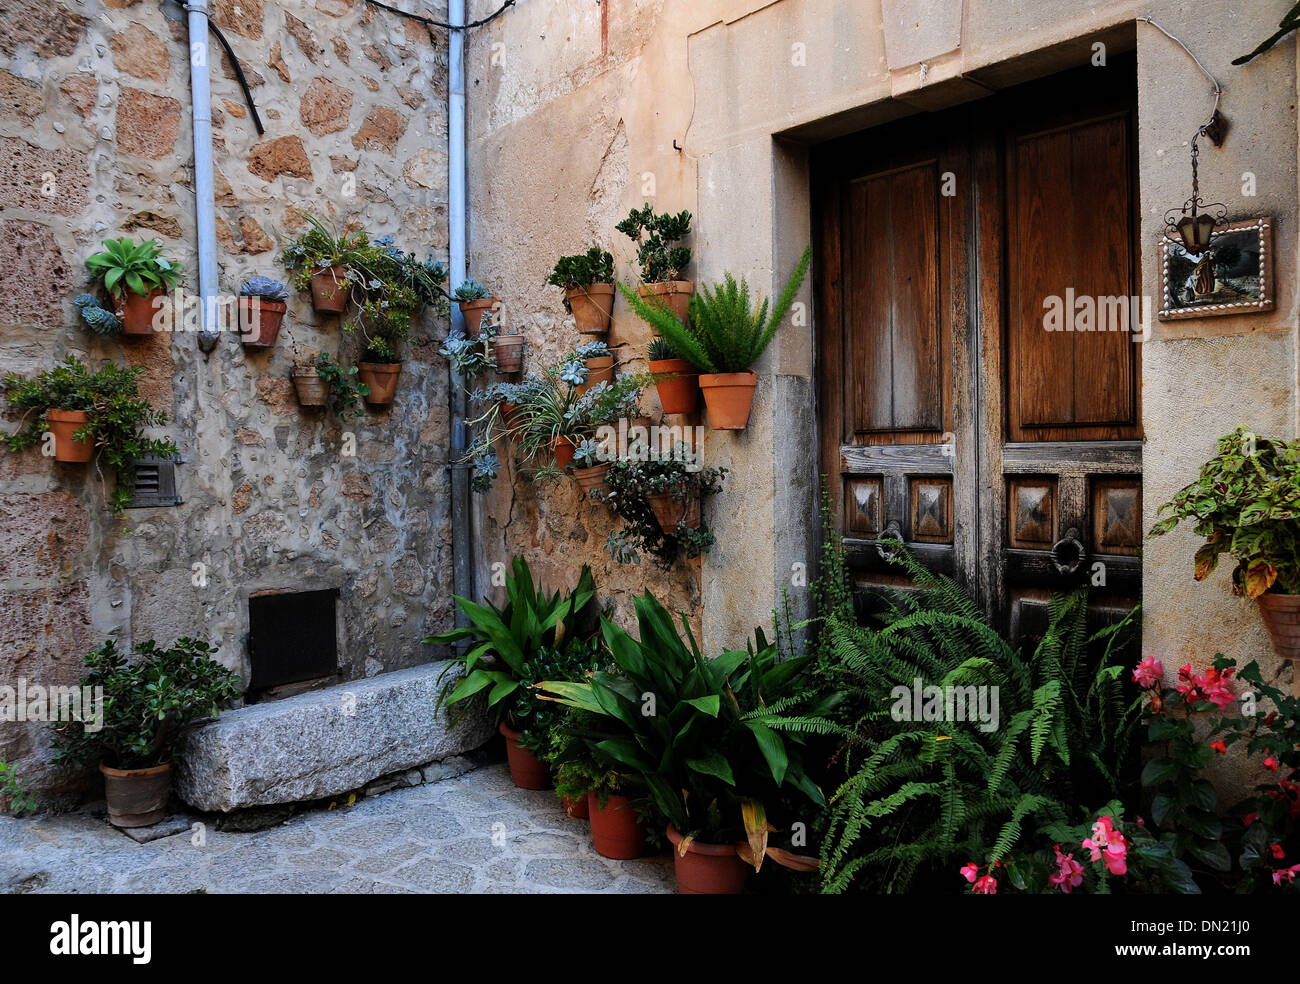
1234	275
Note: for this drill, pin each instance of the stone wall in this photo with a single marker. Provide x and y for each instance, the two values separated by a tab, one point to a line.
96	115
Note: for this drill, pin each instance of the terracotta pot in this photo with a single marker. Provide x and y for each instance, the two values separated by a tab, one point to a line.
670	512
509	416
312	390
508	352
681	392
259	321
707	869
563	450
599	370
591	478
136	312
729	395
526	770
591	306
136	797
1282	619
577	808
617	830
330	289
63	423
472	312
675	294
381	377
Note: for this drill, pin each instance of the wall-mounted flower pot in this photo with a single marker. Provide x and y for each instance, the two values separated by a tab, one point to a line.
63	424
617	830
136	797
577	808
137	311
259	321
707	869
591	306
599	370
670	511
1281	614
472	312
381	377
591	478
526	770
509	416
508	352
680	392
673	294
329	290
312	390
729	396
563	450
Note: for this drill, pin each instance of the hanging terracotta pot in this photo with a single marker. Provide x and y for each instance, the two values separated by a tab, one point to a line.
508	352
472	312
527	771
1281	614
617	830
381	377
673	294
669	511
577	808
136	797
591	478
563	450
329	290
680	392
63	424
729	396
707	869
591	306
136	312
311	388
259	321
599	370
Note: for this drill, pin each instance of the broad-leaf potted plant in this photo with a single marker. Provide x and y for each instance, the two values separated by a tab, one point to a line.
84	411
676	381
661	262
320	260
587	280
1246	503
136	275
727	335
261	311
472	299
149	701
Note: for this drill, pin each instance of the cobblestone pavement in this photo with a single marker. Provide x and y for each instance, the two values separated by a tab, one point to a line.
433	838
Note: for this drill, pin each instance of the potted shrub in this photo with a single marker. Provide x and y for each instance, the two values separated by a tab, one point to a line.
472	299
709	754
149	702
661	262
1246	503
135	276
587	280
676	380
535	635
321	259
261	310
86	411
726	337
658	496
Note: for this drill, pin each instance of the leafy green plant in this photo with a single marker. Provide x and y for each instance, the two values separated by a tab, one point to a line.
14	790
123	264
346	392
1290	22
660	350
149	700
322	247
1245	503
654	235
727	333
117	416
630	482
577	769
596	266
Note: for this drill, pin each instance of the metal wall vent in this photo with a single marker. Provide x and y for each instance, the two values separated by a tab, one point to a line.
155	484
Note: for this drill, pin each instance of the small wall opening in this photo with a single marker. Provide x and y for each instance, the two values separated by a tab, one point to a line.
292	641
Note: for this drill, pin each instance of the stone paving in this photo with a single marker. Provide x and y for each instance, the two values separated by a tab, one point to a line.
473	833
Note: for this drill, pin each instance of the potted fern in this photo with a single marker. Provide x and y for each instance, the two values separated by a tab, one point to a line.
587	280
1246	503
135	275
726	336
661	261
676	380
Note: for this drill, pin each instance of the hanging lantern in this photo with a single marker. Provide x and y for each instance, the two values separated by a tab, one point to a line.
1194	223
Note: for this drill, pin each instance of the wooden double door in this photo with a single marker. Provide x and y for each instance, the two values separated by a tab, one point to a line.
978	367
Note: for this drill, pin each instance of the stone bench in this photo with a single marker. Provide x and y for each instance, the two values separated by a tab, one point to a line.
325	742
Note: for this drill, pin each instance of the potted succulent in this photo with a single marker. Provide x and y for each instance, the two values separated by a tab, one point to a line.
95	316
508	352
135	276
1246	503
587	280
85	410
261	310
597	363
726	337
472	299
658	496
149	702
661	262
589	465
535	635
471	357
676	381
321	259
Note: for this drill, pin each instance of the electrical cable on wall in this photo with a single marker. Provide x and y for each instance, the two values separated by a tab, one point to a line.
234	63
437	23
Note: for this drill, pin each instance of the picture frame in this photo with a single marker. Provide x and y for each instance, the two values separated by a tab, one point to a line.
1235	276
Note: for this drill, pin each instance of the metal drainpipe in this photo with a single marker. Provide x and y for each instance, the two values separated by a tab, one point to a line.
204	195
461	506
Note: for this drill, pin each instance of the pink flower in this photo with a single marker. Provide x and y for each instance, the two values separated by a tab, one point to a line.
1270	763
970	872
986	886
1068	874
1149	673
1278	853
1212	686
1286	874
1219	747
1108	844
